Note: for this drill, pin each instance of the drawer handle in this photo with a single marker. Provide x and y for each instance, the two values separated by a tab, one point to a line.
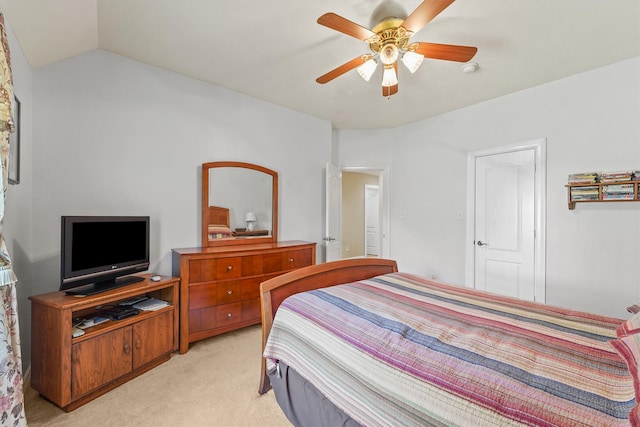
229	315
229	267
290	259
229	292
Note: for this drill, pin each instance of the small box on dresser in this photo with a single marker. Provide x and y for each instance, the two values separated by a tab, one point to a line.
219	286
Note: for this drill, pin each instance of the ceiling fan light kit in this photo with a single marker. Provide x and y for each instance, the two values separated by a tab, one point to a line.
389	76
366	70
389	40
389	54
412	60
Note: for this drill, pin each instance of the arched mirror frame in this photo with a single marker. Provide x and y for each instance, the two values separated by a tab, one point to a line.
206	211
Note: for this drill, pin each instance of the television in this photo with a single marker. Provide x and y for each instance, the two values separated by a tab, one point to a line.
99	253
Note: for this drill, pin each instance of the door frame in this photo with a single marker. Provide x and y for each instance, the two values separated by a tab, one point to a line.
378	226
540	153
331	243
383	172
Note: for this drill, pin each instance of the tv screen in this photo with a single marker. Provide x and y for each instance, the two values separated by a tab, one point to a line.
100	252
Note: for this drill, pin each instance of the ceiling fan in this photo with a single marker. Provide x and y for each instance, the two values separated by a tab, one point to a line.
389	40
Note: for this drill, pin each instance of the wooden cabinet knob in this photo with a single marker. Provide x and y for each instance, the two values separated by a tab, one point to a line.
229	267
290	259
126	349
229	292
229	315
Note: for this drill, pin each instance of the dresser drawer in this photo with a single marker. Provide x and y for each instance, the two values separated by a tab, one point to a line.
251	265
202	270
298	258
288	260
251	310
245	311
228	314
229	291
207	270
272	262
202	319
202	295
228	268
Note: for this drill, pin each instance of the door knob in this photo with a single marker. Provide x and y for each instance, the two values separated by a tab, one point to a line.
481	243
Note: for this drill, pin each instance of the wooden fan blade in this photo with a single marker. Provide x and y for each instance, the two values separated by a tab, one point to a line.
448	52
338	23
424	13
355	62
389	90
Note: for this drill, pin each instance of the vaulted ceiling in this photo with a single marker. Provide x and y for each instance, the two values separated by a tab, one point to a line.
274	49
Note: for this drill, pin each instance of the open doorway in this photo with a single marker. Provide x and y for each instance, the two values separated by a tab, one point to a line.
345	211
362	214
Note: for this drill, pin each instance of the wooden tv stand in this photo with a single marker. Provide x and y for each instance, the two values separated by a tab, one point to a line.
73	371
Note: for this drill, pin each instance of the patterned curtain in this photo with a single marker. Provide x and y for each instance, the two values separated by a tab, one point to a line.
11	391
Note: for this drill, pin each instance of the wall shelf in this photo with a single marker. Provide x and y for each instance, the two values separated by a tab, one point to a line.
601	193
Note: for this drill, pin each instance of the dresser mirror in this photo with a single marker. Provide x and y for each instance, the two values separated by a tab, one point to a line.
239	204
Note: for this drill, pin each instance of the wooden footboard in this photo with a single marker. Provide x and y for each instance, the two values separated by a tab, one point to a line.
274	291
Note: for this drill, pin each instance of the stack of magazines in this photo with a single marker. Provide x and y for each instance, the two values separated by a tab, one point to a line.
616	176
151	304
583	178
617	191
585	193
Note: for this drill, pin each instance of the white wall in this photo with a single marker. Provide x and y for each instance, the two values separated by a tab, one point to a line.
590	121
115	136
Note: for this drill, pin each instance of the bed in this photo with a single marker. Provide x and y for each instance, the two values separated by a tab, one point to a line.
355	342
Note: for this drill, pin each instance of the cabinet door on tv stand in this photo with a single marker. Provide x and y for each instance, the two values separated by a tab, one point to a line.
97	361
152	338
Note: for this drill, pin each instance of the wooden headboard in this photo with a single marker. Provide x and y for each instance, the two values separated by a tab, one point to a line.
218	216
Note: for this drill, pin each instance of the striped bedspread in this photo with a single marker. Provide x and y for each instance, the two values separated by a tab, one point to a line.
401	350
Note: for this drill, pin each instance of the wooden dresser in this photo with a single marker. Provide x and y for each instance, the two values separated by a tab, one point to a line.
219	285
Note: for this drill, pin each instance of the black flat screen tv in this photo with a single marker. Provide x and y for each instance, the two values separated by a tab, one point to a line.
99	253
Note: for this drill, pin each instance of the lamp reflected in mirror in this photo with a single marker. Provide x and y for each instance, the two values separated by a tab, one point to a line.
251	221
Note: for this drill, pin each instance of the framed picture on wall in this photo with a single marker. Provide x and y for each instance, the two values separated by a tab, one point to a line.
14	145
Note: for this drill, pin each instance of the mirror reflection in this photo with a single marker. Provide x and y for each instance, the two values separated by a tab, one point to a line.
247	195
239	203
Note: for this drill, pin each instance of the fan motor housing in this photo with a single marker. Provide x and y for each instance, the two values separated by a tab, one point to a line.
389	31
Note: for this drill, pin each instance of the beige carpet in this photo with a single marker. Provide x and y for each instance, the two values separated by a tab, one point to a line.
214	384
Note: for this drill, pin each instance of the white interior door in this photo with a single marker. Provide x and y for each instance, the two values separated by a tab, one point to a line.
505	223
371	220
333	230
